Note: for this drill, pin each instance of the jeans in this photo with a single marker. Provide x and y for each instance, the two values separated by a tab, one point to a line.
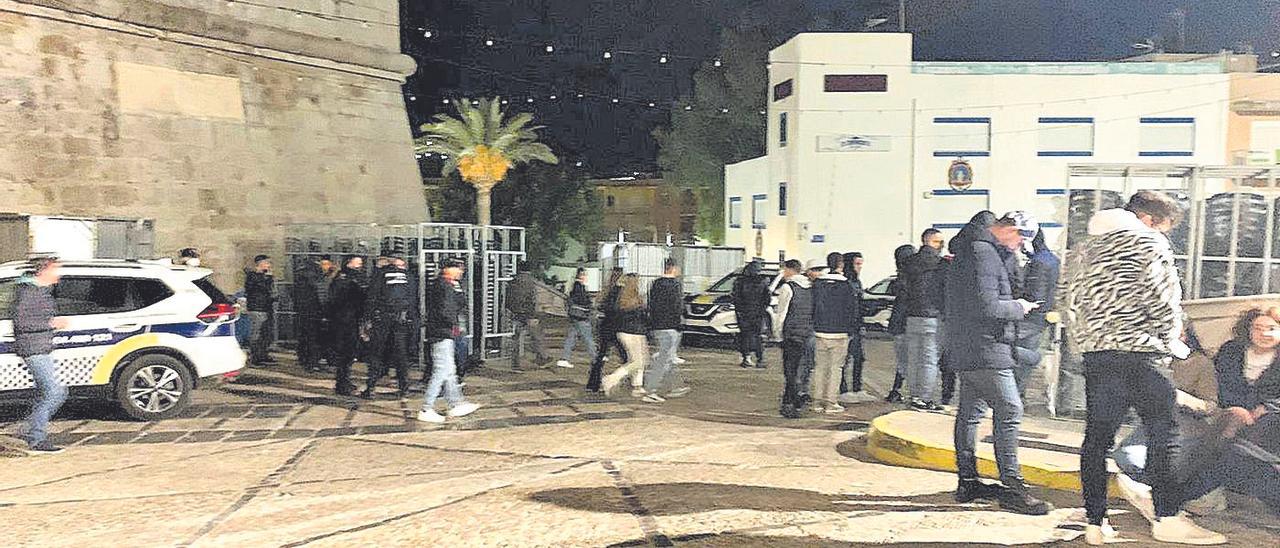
793	355
637	347
830	359
444	376
851	373
259	335
901	357
995	387
1114	383
664	374
749	341
578	328
50	394
531	328
922	354
804	376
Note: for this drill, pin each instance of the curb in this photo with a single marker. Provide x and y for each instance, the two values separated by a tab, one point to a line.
894	445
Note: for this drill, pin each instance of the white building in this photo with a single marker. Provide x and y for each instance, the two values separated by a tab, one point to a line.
862	139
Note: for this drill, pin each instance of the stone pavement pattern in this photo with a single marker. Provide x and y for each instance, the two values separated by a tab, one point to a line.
260	464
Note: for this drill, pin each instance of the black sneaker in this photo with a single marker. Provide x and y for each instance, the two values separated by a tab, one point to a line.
927	406
367	394
790	412
894	397
43	447
1017	498
970	490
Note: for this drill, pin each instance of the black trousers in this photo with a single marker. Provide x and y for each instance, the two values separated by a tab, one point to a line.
851	379
307	329
1114	383
389	341
344	337
794	353
605	339
749	338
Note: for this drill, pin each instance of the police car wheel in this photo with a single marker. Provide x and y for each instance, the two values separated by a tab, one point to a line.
154	387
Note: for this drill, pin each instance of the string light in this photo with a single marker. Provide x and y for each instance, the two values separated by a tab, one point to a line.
663	59
717	62
428	34
615	101
651	105
724	111
488	43
688	107
413	98
608	55
529	100
551	48
446	101
578	163
553	97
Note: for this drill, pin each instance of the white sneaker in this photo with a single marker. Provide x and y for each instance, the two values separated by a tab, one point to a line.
611	382
463	409
1138	494
856	397
431	416
1180	529
639	393
653	398
679	360
1097	535
833	408
565	364
605	359
679	392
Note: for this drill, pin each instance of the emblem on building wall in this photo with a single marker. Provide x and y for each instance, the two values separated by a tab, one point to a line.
960	175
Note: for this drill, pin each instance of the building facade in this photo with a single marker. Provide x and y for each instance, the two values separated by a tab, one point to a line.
220	120
867	148
646	209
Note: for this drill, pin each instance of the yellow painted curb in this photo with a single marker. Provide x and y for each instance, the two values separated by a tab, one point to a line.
893	445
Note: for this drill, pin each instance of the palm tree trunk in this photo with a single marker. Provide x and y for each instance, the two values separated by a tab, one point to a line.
482	204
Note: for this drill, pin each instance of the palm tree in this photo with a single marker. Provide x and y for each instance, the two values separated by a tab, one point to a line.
482	143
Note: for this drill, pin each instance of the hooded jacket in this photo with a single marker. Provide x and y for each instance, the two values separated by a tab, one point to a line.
921	277
750	295
346	297
794	316
898	315
1122	290
259	290
834	306
980	300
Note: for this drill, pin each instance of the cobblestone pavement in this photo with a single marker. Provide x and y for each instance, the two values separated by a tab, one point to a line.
276	460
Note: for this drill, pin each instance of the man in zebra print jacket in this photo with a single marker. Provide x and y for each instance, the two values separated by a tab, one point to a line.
1124	314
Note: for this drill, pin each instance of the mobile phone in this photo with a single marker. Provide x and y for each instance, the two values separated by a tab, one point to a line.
1038	304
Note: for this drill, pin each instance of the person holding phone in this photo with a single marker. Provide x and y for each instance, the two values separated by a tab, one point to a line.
1039	282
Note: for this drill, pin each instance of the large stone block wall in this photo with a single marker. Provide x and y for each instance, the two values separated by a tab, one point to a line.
221	148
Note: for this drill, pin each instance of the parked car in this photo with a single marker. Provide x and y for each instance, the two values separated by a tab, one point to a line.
711	312
142	335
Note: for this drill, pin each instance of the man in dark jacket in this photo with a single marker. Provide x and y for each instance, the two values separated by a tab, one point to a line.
308	310
260	296
1039	283
920	282
750	303
981	305
346	308
446	301
580	311
522	303
834	319
666	316
898	323
35	319
390	318
793	324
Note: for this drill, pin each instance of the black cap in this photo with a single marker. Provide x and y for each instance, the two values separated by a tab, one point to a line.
189	253
452	263
259	258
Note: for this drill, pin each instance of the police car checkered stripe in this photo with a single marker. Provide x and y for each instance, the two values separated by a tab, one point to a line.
72	371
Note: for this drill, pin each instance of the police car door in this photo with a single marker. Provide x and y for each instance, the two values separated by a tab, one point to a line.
97	310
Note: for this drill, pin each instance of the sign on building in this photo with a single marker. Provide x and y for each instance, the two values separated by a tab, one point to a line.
854	142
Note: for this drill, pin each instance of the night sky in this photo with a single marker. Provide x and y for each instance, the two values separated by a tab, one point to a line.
615	138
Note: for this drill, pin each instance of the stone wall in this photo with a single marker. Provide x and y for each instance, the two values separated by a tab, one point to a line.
221	125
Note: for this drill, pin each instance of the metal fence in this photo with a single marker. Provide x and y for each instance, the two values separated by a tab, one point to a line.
491	255
701	266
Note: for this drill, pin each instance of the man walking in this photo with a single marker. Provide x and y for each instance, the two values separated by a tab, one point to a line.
981	306
34	321
260	297
309	292
391	314
834	319
666	312
1124	315
750	303
522	303
923	312
580	311
793	324
346	308
446	302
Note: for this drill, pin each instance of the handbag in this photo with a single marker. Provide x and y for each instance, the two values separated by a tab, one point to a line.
579	312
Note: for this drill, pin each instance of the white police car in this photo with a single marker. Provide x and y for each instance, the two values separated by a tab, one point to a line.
141	334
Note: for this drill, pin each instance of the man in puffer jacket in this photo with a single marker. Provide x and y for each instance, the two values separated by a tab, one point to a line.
1124	315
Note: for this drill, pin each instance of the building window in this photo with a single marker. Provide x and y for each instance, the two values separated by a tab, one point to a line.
1066	137
609	201
782	199
782	129
735	212
758	204
970	137
1167	137
783	90
855	83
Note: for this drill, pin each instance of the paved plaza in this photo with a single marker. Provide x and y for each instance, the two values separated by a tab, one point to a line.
275	460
